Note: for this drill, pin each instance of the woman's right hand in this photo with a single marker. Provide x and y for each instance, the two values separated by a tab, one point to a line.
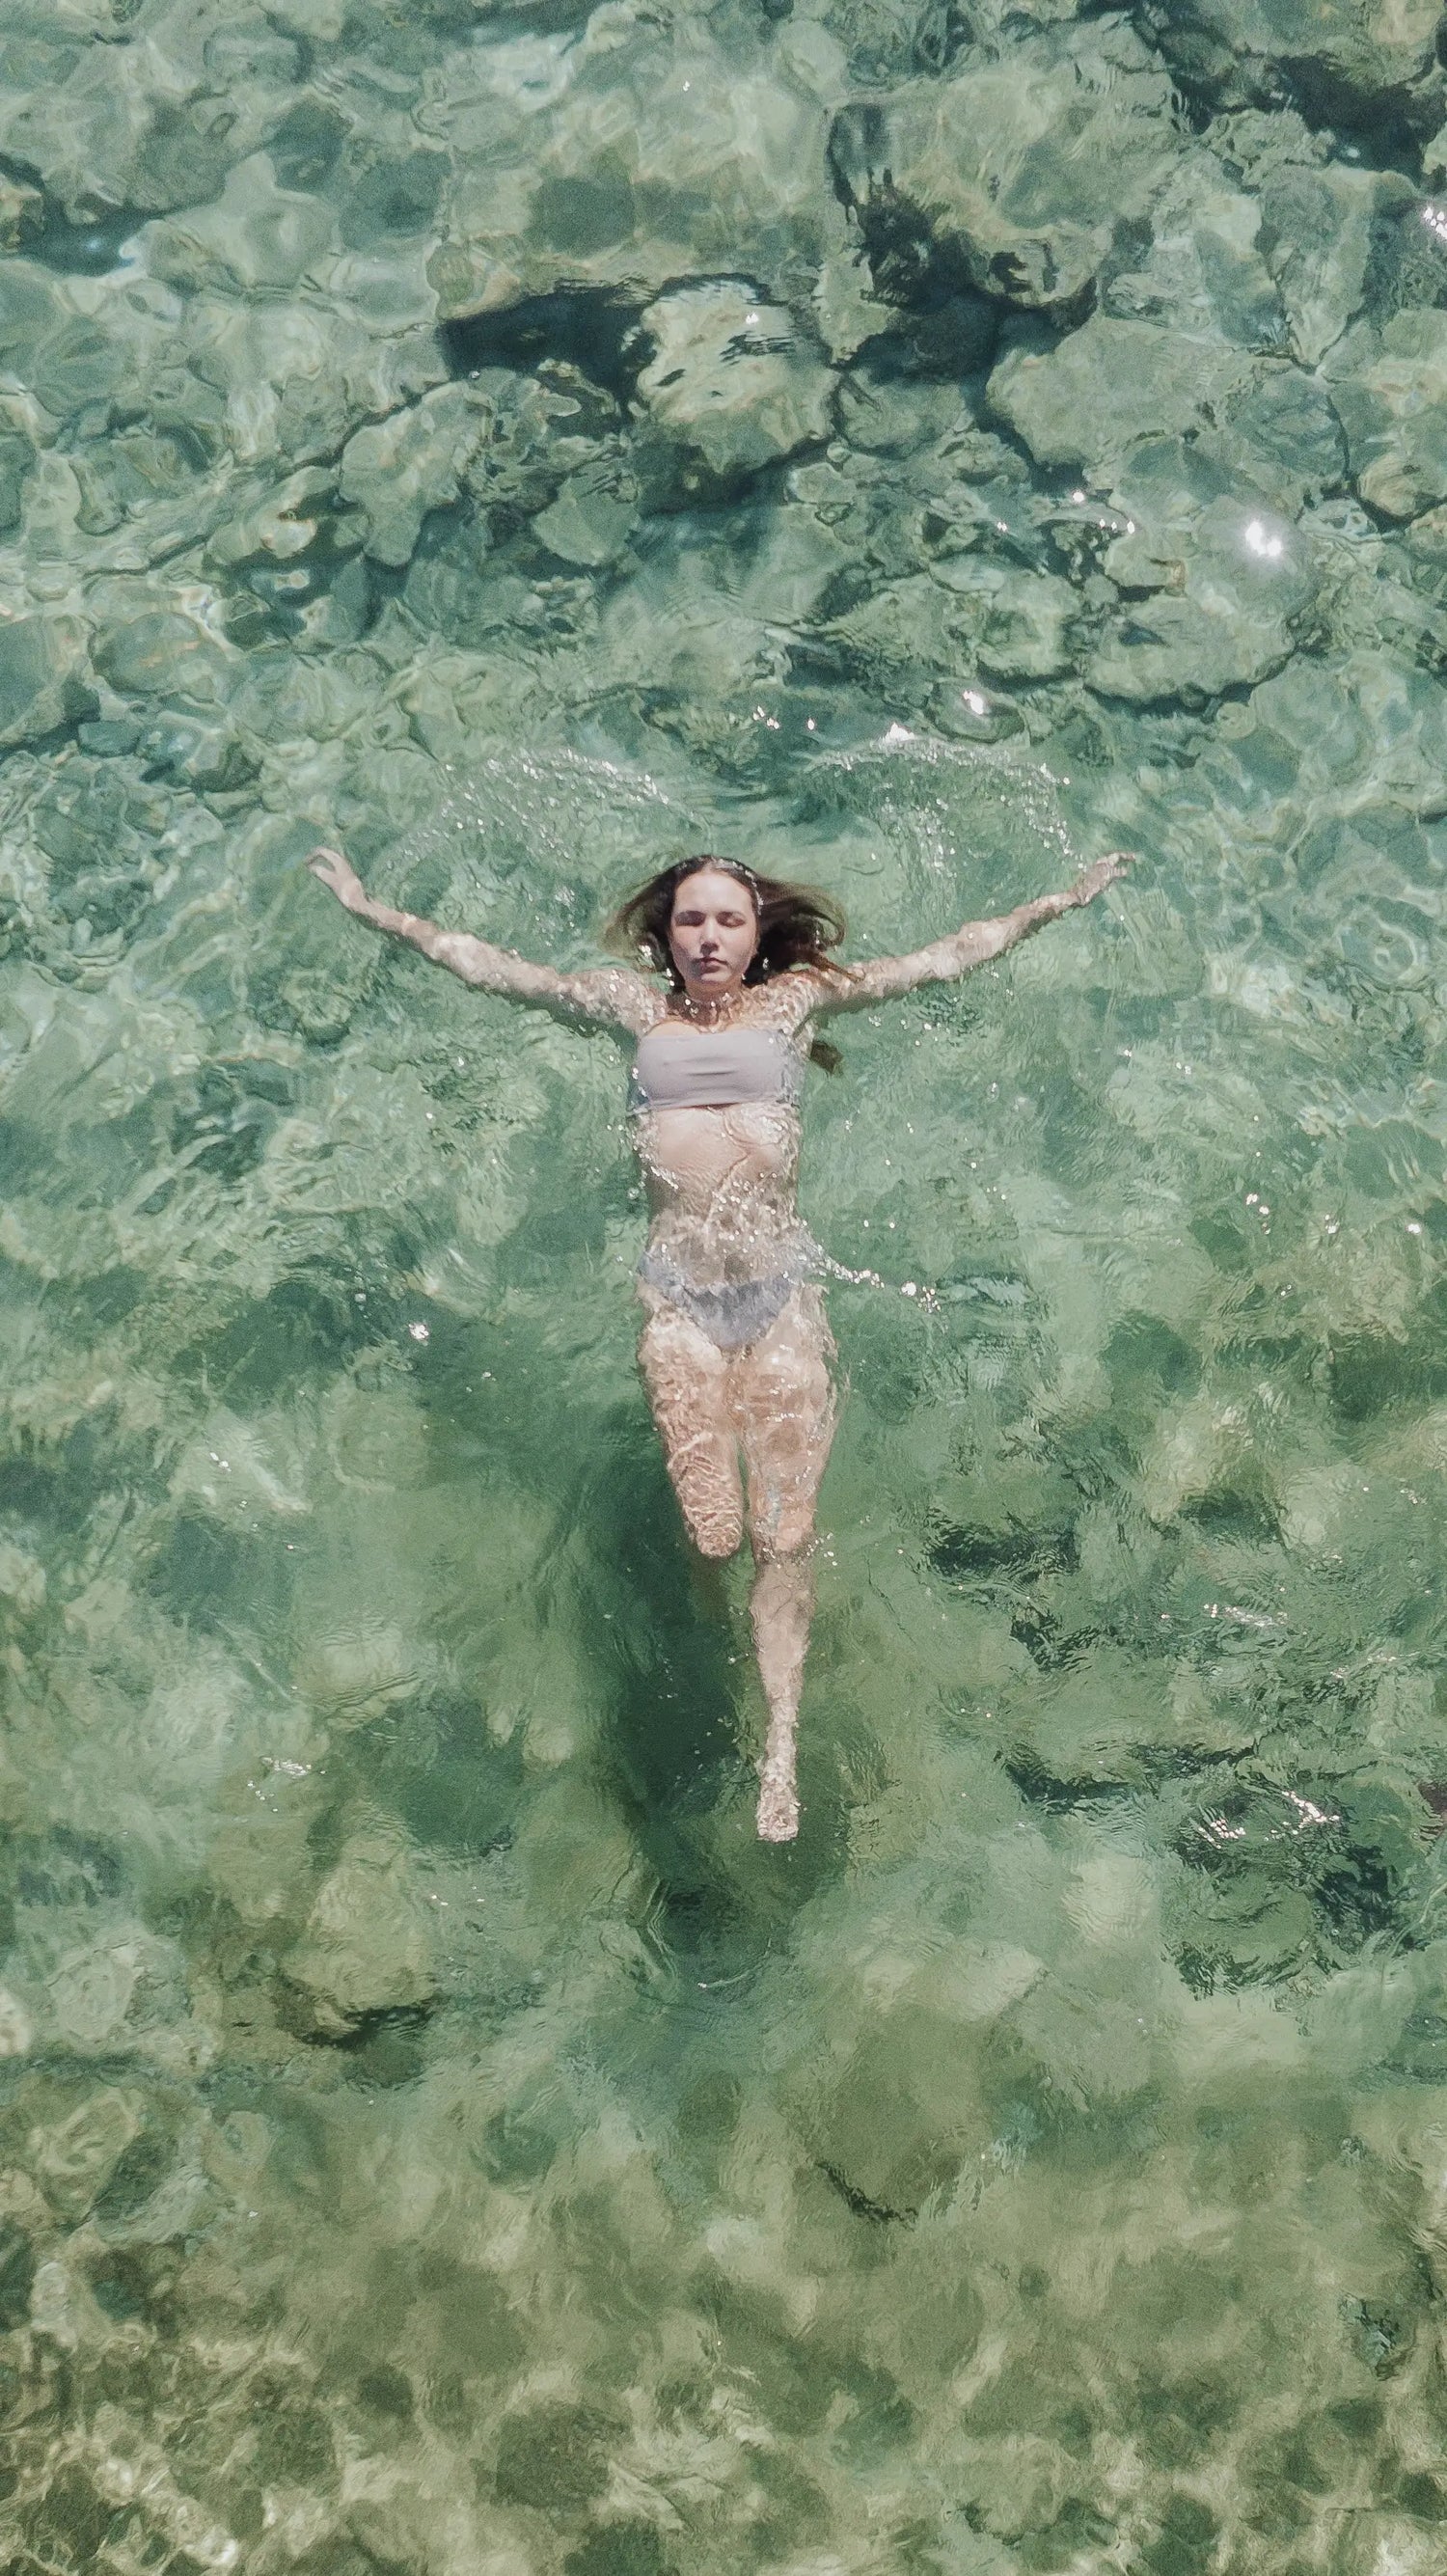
338	875
1100	874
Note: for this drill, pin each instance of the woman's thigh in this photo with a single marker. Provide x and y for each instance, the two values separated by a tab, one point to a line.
785	1408
687	1378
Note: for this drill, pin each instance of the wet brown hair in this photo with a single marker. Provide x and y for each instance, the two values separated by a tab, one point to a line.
798	925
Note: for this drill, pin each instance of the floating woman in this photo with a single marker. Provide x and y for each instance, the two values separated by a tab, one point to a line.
736	1349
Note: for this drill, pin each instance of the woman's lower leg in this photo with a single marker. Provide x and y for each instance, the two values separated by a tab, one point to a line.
781	1607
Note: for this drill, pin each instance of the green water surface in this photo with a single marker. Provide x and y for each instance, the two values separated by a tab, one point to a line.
916	449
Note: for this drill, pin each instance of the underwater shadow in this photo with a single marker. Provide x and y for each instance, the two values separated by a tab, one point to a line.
682	1720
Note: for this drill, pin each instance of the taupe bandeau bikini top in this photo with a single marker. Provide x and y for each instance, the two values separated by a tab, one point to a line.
680	1068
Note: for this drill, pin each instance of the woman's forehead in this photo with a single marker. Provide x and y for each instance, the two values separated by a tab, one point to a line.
703	885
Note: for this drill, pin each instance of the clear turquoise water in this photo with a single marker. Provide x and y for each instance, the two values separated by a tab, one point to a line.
436	2135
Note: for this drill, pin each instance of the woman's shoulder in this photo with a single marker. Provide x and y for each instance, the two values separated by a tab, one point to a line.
788	1001
650	1006
631	1001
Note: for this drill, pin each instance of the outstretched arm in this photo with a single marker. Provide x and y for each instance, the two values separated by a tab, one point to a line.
607	994
882	978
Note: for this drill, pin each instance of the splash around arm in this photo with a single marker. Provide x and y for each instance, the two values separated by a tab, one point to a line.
606	996
883	979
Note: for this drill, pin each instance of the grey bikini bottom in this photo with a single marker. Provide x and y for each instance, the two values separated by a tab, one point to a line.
733	1312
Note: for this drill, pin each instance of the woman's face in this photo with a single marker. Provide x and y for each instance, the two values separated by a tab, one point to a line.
712	933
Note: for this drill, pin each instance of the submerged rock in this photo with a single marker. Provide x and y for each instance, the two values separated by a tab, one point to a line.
1395	416
78	366
17	2028
1010	176
593	517
368	1947
1320	236
1186	651
398	469
73	2158
16	458
164	653
1116	383
971	714
256	235
1204	261
22	211
1112	383
1370	63
33	305
287	379
1019	625
629	157
907	2115
884	412
272	522
732	380
1426	542
1220	610
898	637
144	108
43	677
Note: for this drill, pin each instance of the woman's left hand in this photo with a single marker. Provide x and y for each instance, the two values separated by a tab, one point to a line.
1101	873
335	871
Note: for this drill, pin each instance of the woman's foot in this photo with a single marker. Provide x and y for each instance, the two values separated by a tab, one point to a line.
778	1798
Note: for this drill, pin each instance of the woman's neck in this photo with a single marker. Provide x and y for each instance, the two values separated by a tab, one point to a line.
709	1009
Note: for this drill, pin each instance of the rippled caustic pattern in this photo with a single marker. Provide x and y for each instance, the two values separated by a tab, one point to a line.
917	448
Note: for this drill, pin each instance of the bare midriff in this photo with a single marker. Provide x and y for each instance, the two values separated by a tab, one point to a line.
722	1185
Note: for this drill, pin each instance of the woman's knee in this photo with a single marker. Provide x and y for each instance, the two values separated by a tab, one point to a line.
717	1539
781	1533
715	1522
704	1473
